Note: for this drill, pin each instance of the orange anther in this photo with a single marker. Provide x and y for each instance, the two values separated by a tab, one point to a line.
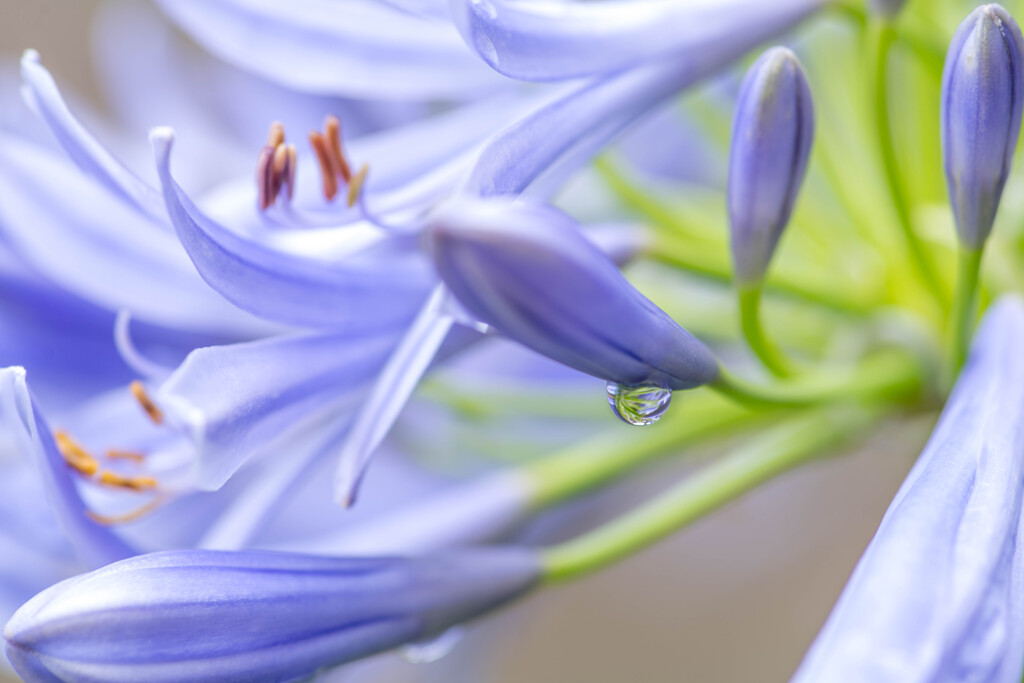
276	135
139	392
332	131
74	455
324	158
109	478
115	454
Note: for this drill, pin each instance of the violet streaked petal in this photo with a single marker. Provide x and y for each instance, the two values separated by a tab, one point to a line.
356	48
120	261
528	271
982	103
255	616
477	511
398	379
938	594
542	40
284	287
771	141
45	98
540	149
95	545
238	400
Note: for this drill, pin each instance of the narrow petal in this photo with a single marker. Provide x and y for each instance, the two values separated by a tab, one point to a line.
938	594
118	259
392	389
286	288
238	400
96	545
546	40
255	616
477	511
45	98
357	48
542	148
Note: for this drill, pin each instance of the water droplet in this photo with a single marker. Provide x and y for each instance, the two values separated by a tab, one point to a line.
427	651
639	405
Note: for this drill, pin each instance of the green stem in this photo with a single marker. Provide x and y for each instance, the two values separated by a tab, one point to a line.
888	376
964	299
750	321
593	462
883	35
783	448
700	259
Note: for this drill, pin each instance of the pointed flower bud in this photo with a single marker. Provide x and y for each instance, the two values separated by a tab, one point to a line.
529	272
771	140
200	615
982	97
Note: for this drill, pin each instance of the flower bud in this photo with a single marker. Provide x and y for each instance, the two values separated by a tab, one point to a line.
982	91
529	272
771	141
200	615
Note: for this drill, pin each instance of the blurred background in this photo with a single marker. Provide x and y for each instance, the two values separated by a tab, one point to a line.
737	597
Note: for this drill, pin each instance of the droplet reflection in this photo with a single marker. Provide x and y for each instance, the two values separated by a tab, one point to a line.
639	405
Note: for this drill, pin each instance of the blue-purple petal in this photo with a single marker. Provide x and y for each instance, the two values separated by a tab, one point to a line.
937	595
254	616
547	40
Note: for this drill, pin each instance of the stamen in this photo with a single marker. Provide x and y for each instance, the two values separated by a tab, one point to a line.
276	135
109	478
356	186
265	178
139	392
332	128
323	156
275	168
115	454
291	167
110	520
74	455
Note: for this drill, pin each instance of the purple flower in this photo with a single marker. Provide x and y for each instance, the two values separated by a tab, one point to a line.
527	270
771	140
937	595
253	616
982	101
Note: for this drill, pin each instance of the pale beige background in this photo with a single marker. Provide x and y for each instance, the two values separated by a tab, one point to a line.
738	597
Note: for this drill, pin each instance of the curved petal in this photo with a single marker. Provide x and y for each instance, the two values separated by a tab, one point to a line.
118	260
96	545
250	616
43	96
356	48
543	40
287	288
939	592
235	401
539	150
392	389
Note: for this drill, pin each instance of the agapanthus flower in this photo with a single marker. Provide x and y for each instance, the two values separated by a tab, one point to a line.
413	218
